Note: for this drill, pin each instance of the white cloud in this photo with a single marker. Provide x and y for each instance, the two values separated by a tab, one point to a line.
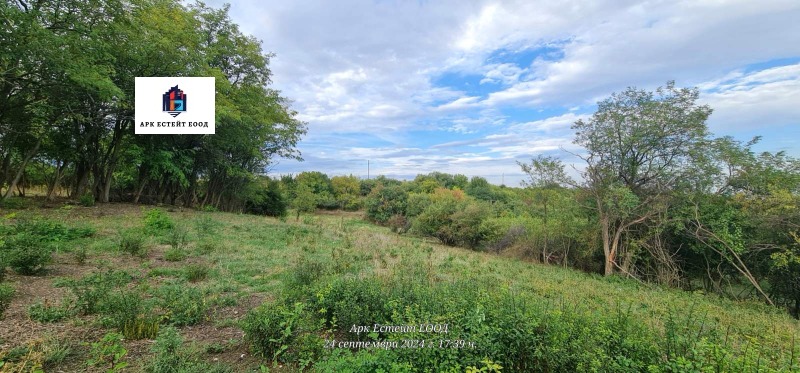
369	68
757	101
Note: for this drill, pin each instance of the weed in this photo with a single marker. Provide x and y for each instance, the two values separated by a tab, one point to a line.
86	200
206	226
92	290
184	305
207	247
132	241
178	237
108	353
80	255
158	220
6	294
172	357
272	330
175	255
45	312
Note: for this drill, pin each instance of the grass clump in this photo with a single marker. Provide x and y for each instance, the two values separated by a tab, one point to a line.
182	305
178	237
175	255
195	272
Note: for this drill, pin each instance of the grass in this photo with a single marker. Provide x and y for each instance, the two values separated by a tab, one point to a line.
250	260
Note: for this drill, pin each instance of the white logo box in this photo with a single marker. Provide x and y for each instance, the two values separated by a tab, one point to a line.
150	117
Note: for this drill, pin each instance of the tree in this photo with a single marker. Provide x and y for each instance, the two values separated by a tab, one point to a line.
638	146
545	176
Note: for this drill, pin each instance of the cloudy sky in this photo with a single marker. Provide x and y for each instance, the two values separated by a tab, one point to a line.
471	87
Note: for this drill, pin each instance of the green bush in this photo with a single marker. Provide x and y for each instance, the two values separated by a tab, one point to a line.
122	307
133	241
6	294
385	201
158	220
45	312
273	330
51	231
92	290
86	200
25	253
266	200
13	203
183	305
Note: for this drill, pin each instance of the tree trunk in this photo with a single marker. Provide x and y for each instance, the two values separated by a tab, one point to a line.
607	250
22	168
60	167
139	190
104	197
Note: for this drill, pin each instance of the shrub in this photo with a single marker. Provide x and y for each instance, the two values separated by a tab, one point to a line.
398	223
385	201
45	312
25	253
272	330
86	200
178	237
184	305
13	203
158	220
122	307
132	241
266	200
209	208
6	294
92	290
51	231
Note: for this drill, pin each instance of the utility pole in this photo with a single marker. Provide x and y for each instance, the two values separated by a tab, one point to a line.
367	169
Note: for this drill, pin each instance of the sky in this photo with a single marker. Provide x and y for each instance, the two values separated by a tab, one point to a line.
473	87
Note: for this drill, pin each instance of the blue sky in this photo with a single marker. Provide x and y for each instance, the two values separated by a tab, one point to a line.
472	87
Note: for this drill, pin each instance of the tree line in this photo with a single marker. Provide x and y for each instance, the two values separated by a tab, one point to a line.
67	72
659	199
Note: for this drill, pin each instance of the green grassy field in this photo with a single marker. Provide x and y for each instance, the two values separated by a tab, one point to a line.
228	292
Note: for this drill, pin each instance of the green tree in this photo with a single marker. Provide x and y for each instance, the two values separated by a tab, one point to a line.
545	177
638	145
